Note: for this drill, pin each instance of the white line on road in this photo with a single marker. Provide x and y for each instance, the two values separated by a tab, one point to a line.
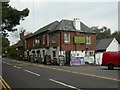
4	62
64	84
8	63
17	67
32	72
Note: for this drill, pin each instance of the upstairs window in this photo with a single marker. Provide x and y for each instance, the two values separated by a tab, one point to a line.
36	41
53	38
88	39
43	39
48	39
66	37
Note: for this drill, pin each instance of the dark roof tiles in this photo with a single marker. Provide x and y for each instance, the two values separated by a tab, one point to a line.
63	25
103	44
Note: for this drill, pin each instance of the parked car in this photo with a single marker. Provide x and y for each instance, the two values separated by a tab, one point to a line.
111	59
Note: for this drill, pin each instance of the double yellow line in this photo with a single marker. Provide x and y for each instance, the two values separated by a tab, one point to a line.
4	84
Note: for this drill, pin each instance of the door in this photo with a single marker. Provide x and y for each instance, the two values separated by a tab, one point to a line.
68	57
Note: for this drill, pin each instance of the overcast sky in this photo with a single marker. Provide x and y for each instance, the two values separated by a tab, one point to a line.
93	13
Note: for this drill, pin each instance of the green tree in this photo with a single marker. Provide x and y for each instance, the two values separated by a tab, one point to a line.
5	45
12	53
11	17
116	34
102	33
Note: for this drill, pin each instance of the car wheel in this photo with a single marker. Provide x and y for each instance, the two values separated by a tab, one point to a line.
110	66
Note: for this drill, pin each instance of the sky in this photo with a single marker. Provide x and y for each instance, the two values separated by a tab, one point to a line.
91	12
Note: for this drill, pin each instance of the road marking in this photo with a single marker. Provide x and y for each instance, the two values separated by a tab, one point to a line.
7	87
64	84
4	62
3	85
85	74
8	63
17	67
32	72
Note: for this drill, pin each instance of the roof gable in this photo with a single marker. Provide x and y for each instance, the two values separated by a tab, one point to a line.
103	44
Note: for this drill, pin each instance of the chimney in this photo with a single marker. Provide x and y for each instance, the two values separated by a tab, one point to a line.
76	23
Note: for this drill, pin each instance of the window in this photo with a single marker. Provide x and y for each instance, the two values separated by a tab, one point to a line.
36	41
67	37
48	39
43	39
88	39
33	42
54	38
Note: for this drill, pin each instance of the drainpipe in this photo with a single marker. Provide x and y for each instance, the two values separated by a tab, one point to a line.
60	43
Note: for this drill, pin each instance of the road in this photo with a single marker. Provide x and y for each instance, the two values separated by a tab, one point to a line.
21	74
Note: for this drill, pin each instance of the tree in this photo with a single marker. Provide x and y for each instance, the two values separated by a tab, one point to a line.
116	34
11	18
12	53
102	33
5	45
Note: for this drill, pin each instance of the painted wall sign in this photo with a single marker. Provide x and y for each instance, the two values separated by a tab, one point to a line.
79	40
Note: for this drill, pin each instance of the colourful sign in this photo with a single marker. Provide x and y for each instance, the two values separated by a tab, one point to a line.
77	61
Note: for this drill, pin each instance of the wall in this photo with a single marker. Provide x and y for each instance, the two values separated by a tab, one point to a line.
77	47
98	58
114	46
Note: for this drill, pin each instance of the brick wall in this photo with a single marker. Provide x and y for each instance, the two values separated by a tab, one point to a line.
77	47
64	46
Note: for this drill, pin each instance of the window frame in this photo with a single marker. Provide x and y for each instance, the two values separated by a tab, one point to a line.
54	38
44	39
88	39
67	37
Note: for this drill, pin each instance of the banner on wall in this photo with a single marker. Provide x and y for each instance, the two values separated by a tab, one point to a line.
77	61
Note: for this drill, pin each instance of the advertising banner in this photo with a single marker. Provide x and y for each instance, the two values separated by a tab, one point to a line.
77	61
79	39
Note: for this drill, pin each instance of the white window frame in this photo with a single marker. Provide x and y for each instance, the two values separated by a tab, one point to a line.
88	39
66	37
